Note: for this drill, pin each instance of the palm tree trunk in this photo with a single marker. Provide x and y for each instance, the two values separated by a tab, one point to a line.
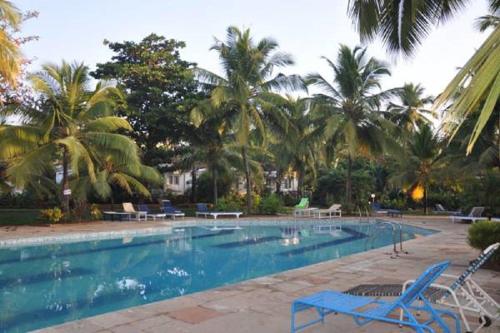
300	182
348	181
425	199
278	182
65	183
193	185
244	155
214	180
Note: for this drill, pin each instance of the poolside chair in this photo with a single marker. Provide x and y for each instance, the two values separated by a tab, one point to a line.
474	215
364	310
170	210
377	209
334	210
302	208
441	210
129	209
461	293
149	214
465	295
202	210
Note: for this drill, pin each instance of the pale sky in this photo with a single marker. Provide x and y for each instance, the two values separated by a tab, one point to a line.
74	30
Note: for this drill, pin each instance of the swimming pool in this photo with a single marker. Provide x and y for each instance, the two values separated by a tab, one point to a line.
44	285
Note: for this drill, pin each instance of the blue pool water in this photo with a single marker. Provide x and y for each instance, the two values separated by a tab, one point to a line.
46	285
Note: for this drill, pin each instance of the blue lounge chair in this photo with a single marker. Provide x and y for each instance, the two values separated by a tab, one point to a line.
149	214
171	211
377	209
366	309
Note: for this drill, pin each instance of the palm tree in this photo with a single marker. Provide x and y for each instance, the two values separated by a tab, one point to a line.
402	25
410	112
10	54
421	164
346	111
245	91
72	127
294	150
129	178
212	144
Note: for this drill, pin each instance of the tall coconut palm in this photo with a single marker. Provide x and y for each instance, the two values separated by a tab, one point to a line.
346	110
209	142
403	24
410	112
421	164
295	150
10	54
245	90
72	126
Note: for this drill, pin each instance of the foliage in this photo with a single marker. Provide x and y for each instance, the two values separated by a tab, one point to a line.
246	90
19	216
483	190
229	203
160	90
420	164
95	212
410	111
346	110
52	215
205	186
10	53
477	85
331	188
271	205
483	234
403	25
400	24
73	127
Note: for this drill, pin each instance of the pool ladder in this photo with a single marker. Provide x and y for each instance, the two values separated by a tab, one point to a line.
397	229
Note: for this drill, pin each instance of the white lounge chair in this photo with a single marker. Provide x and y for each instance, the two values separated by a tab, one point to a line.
441	210
474	215
202	210
334	210
129	209
303	209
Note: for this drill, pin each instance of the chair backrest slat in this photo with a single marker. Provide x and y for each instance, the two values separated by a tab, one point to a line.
143	208
421	284
335	207
476	211
475	265
201	207
128	207
304	203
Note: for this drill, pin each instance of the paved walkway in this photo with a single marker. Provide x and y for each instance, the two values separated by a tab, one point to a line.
263	304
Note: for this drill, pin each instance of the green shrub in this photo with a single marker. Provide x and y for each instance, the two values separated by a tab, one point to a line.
271	205
52	215
230	202
95	212
483	234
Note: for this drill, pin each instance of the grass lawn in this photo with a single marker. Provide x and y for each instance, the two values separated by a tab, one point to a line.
19	216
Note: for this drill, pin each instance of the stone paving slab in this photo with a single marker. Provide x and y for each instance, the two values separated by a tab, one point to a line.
263	304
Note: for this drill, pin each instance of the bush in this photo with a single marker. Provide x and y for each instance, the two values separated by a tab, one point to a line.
52	215
229	203
483	234
271	205
95	212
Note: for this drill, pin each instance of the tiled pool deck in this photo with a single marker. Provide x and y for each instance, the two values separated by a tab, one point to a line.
263	304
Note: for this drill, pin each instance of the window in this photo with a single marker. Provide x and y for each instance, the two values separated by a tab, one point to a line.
176	180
